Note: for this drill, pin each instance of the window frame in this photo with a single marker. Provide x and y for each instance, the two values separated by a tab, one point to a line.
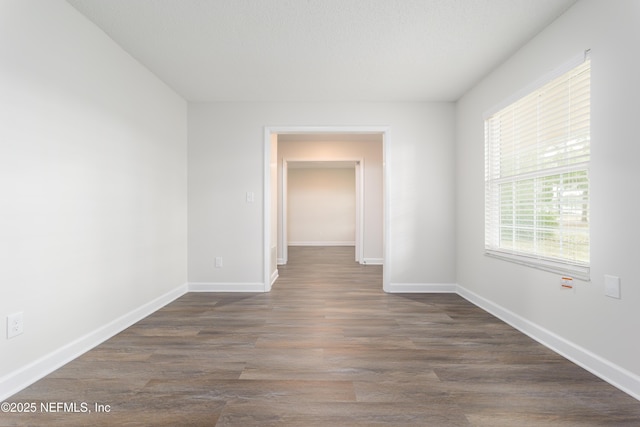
493	242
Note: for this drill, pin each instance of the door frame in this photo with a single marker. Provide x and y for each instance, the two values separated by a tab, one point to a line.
267	196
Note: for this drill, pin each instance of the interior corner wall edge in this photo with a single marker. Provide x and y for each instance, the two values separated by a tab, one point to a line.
603	326
93	177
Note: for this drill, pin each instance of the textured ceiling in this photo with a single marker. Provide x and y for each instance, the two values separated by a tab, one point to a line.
321	50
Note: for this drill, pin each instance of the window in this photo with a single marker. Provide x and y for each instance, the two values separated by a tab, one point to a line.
537	152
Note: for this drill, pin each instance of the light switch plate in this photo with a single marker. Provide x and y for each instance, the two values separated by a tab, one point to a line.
612	286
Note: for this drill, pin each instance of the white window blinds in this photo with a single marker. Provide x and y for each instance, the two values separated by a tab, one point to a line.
537	152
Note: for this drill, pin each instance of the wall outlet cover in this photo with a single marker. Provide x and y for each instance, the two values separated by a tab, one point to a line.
15	324
612	286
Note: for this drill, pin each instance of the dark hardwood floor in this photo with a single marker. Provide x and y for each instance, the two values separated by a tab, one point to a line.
327	347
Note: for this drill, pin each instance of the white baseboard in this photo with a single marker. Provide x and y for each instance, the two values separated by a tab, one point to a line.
225	287
281	261
14	382
329	243
613	374
426	288
274	276
373	261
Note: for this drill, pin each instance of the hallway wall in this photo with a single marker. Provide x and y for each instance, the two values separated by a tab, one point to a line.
321	208
226	157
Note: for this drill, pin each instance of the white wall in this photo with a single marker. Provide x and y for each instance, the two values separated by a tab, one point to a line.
321	207
369	149
93	185
595	330
226	158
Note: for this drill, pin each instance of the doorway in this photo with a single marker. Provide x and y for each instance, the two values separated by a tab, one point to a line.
336	239
272	206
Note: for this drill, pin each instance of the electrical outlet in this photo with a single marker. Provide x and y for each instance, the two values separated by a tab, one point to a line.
15	324
218	262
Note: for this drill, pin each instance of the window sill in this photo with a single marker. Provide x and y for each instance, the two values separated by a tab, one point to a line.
575	271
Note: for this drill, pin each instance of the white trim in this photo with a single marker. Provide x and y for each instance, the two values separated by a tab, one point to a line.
281	261
386	210
604	369
274	276
421	288
373	261
25	376
266	206
359	172
284	211
227	287
582	272
324	243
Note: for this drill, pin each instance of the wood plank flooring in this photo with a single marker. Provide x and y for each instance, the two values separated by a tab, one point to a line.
327	347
